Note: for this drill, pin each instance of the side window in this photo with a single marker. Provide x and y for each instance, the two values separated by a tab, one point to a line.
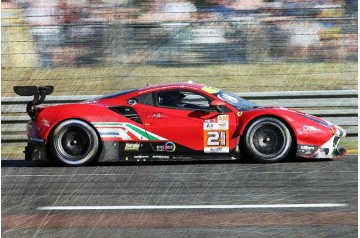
183	99
145	99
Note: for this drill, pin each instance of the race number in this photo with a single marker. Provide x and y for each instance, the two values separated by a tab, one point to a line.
216	138
216	135
216	141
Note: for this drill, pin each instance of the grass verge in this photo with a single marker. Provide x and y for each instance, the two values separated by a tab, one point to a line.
232	77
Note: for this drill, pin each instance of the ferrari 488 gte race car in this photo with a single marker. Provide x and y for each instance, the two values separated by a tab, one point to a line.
172	122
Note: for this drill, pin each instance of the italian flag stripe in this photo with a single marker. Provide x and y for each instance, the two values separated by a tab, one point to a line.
142	132
135	130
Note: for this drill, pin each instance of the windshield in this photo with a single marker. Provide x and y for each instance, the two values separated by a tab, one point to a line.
235	101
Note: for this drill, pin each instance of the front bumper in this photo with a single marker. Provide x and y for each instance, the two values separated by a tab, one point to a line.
329	150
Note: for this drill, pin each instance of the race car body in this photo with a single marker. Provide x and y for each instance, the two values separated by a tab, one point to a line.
169	122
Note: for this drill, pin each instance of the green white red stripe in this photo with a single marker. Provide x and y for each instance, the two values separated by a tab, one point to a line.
125	131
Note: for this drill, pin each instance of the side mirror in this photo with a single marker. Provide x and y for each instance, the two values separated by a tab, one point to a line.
218	105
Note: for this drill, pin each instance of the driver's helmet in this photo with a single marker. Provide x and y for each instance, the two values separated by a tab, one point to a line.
171	98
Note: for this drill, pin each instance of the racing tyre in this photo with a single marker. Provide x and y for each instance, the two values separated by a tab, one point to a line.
267	140
74	143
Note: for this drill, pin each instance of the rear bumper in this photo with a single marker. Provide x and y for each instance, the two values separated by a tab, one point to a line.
35	149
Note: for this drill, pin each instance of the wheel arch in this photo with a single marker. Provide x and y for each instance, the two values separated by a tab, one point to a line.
282	119
52	129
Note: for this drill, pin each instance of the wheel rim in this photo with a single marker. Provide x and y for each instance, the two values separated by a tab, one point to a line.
268	139
75	143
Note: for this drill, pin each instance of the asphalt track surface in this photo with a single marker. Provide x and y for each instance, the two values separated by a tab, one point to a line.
299	198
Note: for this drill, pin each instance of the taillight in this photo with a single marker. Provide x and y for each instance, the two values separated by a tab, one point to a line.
32	130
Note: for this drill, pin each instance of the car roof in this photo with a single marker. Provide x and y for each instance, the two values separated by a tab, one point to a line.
168	86
152	88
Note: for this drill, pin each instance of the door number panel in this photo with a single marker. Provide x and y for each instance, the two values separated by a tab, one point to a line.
216	135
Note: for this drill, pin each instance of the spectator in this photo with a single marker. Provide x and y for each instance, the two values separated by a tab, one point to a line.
174	18
45	29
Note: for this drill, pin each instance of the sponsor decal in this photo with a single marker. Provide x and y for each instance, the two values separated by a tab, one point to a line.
157	115
219	123
223	118
216	150
45	122
89	102
308	150
141	157
168	147
160	148
160	157
132	146
182	157
310	129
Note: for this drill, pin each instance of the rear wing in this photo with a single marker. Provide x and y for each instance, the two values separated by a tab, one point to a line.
39	94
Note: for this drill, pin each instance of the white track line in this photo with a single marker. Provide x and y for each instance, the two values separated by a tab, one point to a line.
259	206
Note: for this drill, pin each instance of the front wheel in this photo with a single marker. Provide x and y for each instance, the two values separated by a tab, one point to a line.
74	143
267	140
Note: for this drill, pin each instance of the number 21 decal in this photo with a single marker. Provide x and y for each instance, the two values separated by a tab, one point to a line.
216	141
216	135
216	138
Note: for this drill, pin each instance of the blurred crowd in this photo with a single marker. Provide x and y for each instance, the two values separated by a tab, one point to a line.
53	33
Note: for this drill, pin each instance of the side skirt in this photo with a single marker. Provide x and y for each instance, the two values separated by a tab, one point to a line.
142	152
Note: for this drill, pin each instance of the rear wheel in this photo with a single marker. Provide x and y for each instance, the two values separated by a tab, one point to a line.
74	143
267	140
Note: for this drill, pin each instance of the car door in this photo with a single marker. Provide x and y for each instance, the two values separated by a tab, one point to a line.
185	119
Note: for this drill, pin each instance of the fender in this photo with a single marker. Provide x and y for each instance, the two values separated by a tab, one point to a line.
299	125
52	116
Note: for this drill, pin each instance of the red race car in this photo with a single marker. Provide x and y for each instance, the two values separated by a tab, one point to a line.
171	122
